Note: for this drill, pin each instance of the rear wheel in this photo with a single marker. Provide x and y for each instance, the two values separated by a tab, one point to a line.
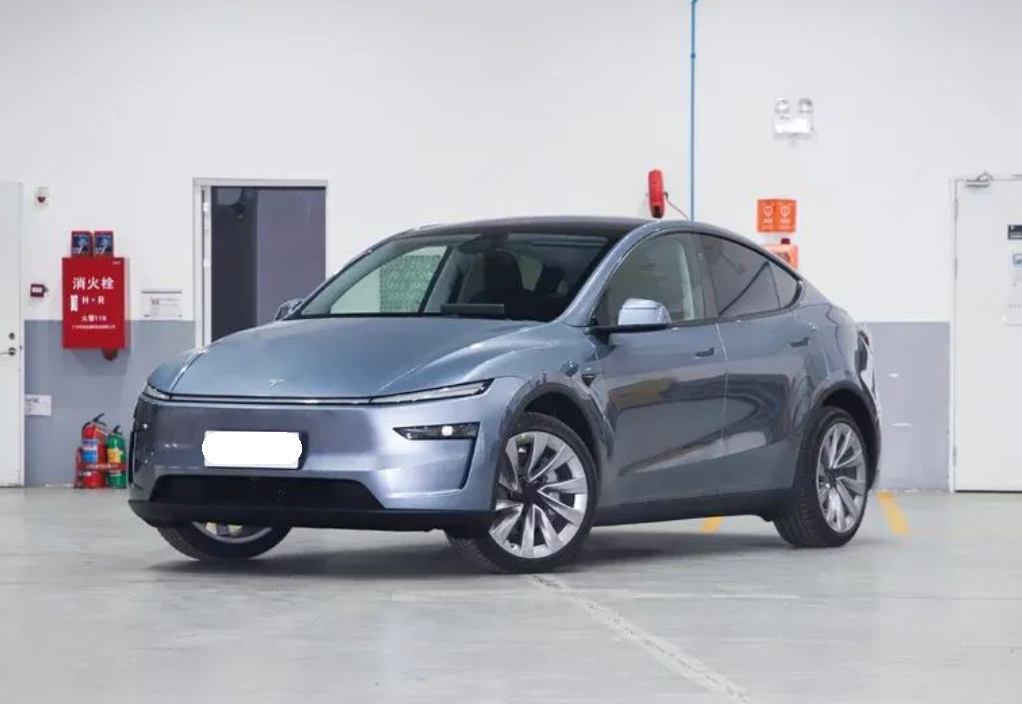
545	499
221	541
831	484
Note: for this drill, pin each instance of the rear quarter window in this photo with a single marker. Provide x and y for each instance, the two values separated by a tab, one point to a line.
742	278
787	286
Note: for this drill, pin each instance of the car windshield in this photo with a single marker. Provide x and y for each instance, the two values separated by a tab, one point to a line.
506	274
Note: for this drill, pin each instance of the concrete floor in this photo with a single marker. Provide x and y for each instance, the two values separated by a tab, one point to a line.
924	606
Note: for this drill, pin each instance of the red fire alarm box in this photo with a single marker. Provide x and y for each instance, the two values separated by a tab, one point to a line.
95	297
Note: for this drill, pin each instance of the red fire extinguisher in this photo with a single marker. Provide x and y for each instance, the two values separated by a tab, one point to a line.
92	454
94	441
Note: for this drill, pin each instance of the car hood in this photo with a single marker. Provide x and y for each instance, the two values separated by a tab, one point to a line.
338	357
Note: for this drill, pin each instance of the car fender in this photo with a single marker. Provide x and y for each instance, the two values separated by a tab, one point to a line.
569	385
843	383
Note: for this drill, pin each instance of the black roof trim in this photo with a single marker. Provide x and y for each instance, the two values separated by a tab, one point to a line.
612	227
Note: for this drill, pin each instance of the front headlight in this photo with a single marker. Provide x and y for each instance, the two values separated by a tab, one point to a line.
154	393
444	392
448	431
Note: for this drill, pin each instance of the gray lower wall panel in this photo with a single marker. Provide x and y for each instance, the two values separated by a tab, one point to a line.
912	367
83	384
913	370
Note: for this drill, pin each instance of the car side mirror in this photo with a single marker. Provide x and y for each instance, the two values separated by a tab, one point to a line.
287	308
643	313
638	315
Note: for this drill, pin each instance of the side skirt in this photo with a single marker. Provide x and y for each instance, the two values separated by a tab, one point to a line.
768	505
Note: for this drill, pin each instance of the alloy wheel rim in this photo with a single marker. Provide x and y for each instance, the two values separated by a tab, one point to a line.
231	532
542	496
841	477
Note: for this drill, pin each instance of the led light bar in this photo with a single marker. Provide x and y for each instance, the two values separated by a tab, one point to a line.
152	392
444	392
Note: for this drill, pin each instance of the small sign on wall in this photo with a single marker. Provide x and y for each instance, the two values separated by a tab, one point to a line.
162	304
1013	309
38	405
776	215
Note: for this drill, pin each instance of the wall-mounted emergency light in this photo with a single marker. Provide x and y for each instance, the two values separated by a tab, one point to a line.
794	123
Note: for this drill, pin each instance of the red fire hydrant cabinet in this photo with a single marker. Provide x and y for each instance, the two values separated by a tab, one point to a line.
95	302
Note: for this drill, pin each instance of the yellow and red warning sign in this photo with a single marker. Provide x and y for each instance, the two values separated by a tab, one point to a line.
776	215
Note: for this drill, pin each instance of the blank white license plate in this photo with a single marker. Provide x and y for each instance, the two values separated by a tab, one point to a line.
256	449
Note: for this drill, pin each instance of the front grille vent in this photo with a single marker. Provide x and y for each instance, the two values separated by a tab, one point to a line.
264	492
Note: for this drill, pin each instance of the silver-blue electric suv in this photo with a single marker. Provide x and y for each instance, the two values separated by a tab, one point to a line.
514	383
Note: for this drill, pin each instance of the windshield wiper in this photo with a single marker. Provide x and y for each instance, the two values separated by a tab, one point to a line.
474	310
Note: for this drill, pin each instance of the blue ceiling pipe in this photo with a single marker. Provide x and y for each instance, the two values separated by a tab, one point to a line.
692	118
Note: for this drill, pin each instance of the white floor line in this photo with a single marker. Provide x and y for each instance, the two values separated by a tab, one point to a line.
594	592
669	655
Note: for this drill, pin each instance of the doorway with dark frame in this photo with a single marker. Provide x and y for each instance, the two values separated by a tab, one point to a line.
262	245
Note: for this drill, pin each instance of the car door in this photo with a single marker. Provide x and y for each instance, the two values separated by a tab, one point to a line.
768	350
662	390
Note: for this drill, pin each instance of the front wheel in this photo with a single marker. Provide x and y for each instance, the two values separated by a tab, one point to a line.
831	484
221	541
545	500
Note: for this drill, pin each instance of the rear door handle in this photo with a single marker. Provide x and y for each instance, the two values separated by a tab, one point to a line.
802	342
708	352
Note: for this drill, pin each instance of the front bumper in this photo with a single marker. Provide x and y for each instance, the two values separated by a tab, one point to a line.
356	471
306	503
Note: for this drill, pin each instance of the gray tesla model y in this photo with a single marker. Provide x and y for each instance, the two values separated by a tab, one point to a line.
514	383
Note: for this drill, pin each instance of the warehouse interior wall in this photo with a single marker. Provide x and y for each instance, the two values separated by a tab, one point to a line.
901	111
417	113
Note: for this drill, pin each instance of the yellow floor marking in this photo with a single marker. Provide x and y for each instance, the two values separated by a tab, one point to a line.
711	524
896	520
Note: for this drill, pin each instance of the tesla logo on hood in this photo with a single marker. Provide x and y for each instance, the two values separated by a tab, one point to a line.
274	383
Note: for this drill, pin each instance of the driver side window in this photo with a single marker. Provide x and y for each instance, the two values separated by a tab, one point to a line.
665	269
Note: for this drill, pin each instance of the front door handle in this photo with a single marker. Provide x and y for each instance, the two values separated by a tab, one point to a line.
11	351
708	352
801	342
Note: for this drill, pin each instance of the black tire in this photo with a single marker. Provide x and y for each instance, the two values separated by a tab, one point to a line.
484	552
189	540
803	524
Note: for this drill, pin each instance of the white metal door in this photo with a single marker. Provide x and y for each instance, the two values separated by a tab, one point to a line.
988	335
12	394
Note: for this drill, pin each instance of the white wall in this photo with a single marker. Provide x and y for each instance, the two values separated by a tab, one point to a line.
909	94
414	112
422	112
